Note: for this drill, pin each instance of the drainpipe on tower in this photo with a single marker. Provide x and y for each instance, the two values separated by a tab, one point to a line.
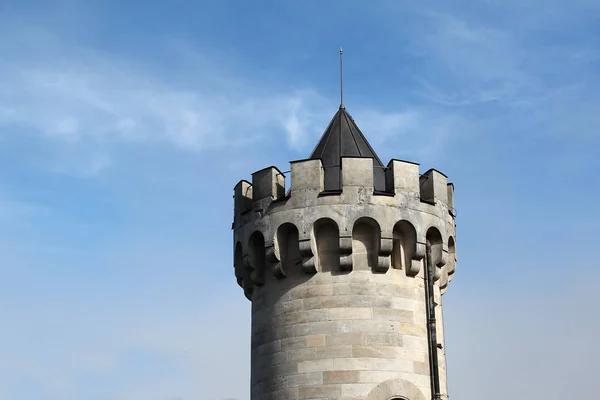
431	332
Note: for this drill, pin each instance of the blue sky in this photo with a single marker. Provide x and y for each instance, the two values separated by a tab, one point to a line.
125	125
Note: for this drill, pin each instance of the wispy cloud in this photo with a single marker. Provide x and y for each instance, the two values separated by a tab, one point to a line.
487	54
84	102
89	101
415	133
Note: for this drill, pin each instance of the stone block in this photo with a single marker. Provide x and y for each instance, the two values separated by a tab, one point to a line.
375	352
352	364
384	339
307	174
316	340
243	197
325	327
285	394
346	339
357	172
393	364
402	176
421	367
301	354
305	379
334	351
267	348
414	342
350	313
300	317
377	376
434	186
390	314
269	361
330	377
354	288
268	182
315	365
320	392
304	291
407	328
287	306
393	290
375	326
357	390
292	343
347	302
413	305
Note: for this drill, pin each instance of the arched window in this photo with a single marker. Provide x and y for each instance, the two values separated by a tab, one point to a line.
327	236
257	256
366	237
451	256
238	264
288	248
405	242
435	238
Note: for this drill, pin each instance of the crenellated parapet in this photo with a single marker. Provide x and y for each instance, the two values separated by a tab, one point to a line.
310	230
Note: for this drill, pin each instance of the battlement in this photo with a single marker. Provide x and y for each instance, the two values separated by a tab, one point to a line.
401	178
311	230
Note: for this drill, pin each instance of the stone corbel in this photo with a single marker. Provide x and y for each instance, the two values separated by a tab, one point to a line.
257	272
308	259
277	265
444	280
248	288
346	253
440	264
417	259
385	251
239	273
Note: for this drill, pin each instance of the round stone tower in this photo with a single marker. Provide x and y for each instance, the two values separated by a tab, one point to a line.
345	273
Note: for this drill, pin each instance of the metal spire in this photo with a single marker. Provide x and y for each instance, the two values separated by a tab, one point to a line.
341	81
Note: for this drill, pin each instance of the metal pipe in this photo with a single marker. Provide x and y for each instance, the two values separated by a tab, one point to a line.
431	331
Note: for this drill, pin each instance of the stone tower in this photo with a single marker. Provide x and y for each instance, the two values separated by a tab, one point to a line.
345	273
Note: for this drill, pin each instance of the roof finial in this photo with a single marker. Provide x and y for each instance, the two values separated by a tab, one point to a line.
341	81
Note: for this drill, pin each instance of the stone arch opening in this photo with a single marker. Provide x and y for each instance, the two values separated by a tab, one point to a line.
395	389
366	239
327	238
451	256
435	238
257	255
405	244
288	248
238	263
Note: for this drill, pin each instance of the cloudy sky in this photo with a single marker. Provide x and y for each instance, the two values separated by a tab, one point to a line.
124	126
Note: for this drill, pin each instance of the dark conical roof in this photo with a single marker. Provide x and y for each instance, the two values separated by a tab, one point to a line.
343	138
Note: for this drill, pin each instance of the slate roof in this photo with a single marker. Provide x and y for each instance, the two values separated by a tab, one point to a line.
343	138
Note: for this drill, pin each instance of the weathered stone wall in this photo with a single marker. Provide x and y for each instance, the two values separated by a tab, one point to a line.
337	336
336	280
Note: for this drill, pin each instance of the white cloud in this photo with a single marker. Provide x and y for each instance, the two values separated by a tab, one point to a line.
90	101
84	103
420	134
501	53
